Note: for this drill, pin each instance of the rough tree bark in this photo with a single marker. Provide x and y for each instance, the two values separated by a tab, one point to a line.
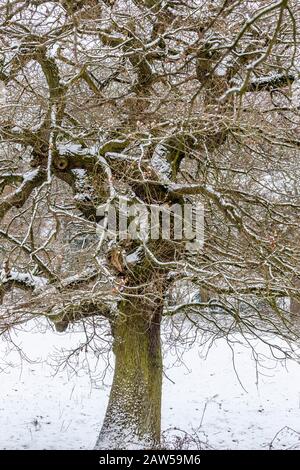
294	303
133	415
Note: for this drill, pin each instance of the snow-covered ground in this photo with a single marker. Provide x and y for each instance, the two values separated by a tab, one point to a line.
228	407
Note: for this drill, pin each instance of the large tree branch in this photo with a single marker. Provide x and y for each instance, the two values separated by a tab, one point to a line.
60	301
9	179
60	308
22	280
17	198
271	82
265	83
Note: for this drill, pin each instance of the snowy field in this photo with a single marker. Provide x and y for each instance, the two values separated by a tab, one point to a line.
227	407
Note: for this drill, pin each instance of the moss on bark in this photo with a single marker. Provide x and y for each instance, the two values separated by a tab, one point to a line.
133	416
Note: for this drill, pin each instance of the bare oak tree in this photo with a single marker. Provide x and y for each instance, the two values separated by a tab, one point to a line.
159	102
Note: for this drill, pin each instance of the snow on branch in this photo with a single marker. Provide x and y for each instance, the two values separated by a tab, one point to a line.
160	163
85	276
266	83
9	178
77	309
46	271
23	280
17	198
271	82
61	307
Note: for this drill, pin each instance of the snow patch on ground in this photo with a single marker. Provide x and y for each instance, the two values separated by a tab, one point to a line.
39	410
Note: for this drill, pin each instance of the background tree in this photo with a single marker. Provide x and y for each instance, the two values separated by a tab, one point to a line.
160	102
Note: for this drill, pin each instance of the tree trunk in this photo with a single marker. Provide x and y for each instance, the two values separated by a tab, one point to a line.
295	304
294	307
133	415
